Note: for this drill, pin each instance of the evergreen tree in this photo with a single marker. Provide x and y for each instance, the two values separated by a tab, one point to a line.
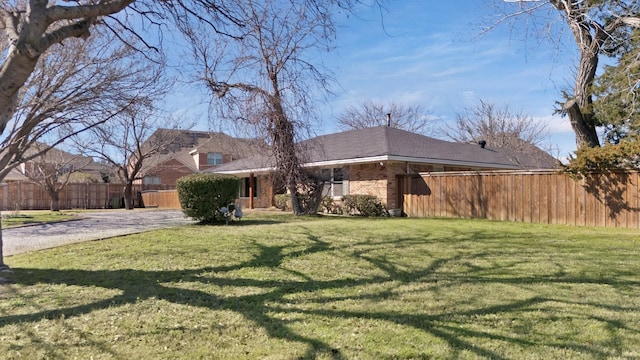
617	91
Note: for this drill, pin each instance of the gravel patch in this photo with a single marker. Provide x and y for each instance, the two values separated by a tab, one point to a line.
93	226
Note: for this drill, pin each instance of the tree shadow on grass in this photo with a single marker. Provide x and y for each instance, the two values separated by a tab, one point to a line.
243	222
136	285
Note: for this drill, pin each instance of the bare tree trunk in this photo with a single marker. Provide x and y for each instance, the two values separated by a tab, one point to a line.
579	109
4	268
582	124
128	196
15	72
2	264
296	207
282	135
55	200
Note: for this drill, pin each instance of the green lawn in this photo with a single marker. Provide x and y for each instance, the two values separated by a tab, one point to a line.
276	287
29	217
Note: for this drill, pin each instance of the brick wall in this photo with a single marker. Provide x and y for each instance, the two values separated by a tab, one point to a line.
264	194
171	170
376	180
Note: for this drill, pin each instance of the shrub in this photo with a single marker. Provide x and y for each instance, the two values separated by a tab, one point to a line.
329	206
363	205
203	195
282	202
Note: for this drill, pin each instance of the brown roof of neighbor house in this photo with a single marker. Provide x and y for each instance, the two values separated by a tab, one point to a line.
178	139
220	142
15	175
76	162
184	144
382	143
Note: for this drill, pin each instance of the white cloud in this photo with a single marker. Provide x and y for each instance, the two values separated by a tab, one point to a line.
555	123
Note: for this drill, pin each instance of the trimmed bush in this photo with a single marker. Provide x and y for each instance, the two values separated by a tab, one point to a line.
203	195
329	206
363	205
282	202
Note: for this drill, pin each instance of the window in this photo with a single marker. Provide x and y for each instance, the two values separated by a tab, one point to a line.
151	180
214	158
244	187
335	182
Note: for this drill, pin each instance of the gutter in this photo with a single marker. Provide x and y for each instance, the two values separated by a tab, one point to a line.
376	159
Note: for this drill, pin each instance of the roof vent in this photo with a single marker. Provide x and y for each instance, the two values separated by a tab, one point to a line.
482	143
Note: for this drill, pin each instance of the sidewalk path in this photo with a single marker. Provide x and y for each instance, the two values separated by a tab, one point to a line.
93	226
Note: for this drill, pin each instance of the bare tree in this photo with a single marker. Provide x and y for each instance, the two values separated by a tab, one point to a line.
374	113
122	143
73	88
53	170
266	79
498	126
31	27
598	27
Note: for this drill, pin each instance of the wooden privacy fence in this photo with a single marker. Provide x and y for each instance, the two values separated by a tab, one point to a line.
535	197
23	195
165	199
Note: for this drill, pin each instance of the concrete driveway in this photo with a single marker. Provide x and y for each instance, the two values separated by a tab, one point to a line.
92	226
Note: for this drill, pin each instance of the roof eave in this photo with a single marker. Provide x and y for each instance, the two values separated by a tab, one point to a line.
376	159
450	162
244	171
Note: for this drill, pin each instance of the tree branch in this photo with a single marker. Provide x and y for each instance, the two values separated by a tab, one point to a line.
9	23
78	29
103	8
633	21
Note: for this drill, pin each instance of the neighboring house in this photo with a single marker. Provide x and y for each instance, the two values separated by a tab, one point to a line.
15	176
376	161
193	152
60	163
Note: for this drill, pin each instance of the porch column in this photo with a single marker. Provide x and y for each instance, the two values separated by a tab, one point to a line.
252	185
272	202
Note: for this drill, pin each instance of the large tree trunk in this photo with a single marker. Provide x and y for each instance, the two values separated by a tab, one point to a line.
128	196
283	142
579	109
54	196
582	124
14	73
2	264
295	199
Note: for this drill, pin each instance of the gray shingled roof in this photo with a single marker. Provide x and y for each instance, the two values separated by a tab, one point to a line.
388	141
383	142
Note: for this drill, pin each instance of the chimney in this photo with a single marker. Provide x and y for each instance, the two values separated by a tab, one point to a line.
482	143
388	119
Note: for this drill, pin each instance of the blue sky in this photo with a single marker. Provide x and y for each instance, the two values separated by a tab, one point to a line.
428	53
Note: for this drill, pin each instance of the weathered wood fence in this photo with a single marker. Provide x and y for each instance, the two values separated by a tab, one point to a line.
24	195
606	200
165	199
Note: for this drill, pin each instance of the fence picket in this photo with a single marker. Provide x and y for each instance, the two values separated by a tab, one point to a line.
531	196
22	195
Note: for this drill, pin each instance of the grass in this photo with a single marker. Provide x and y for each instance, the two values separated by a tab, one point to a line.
277	287
29	217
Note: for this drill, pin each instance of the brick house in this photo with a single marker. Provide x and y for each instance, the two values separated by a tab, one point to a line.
59	163
378	161
191	152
